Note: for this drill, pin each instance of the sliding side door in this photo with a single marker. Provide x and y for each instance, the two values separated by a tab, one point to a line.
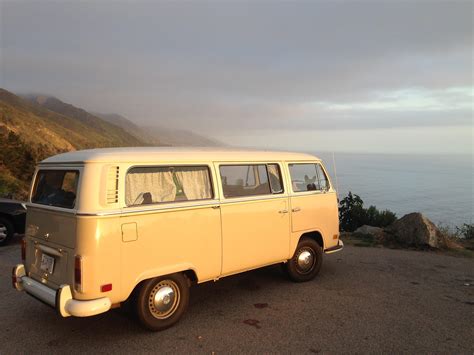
254	215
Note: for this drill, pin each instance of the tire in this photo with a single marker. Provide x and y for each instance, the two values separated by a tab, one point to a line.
306	261
6	231
162	301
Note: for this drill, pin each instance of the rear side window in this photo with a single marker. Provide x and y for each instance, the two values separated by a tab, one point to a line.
308	177
250	180
150	185
56	188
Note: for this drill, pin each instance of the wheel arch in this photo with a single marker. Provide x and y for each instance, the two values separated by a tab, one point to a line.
315	235
190	274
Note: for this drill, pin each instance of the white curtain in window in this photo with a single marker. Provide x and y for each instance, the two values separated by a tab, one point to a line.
159	184
195	182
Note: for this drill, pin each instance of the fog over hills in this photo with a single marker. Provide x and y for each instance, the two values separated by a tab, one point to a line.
160	135
33	127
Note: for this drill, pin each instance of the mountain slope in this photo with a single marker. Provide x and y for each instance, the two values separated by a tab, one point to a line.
115	136
181	137
131	127
158	135
30	132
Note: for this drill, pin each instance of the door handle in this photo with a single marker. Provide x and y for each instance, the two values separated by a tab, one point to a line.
283	211
296	209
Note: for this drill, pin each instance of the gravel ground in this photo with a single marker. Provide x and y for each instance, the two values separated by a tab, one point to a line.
365	300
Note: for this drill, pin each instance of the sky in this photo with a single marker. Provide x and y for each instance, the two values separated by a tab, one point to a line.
359	76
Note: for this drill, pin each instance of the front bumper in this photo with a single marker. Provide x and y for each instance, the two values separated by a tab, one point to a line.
335	249
60	299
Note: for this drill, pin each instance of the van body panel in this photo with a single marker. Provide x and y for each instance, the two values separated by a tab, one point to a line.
98	245
50	226
52	233
316	212
171	239
256	238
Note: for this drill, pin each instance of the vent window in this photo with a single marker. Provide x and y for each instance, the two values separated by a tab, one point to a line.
112	184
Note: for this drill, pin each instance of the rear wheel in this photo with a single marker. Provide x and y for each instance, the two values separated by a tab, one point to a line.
6	231
162	301
306	261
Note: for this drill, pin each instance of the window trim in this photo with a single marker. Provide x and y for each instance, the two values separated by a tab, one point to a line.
271	193
326	176
280	175
62	169
207	166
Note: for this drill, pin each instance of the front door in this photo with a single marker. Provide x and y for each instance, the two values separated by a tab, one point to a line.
313	201
255	216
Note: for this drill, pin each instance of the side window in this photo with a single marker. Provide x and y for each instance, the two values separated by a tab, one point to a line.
150	185
250	180
308	177
323	179
244	180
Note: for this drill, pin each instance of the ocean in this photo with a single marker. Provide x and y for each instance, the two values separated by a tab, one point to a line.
439	186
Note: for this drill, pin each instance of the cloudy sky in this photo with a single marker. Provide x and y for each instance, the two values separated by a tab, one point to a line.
371	76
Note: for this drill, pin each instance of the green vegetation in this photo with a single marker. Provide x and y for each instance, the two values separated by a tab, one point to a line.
466	231
353	215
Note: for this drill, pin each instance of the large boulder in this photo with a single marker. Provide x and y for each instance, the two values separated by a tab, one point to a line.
415	230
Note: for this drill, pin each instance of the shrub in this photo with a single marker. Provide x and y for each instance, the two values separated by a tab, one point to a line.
466	231
352	214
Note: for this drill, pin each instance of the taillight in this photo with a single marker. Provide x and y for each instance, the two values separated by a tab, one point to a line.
23	250
106	288
78	273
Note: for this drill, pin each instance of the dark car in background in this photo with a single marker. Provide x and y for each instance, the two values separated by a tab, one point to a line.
12	219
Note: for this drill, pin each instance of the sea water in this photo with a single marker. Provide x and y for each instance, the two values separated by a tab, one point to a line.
439	186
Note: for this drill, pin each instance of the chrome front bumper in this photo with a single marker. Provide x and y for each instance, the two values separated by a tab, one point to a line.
335	249
60	299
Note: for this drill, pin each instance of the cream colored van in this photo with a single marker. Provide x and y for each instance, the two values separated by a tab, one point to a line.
141	225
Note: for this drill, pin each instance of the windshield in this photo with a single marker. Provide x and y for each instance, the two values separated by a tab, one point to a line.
55	188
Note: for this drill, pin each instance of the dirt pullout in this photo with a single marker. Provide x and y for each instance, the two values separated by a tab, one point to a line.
364	300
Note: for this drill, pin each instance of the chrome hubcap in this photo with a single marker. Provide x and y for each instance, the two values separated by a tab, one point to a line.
305	260
3	232
164	299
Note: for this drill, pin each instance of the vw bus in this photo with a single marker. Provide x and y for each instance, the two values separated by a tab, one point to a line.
141	225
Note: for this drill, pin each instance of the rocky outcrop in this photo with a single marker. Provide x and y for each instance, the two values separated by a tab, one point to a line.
415	230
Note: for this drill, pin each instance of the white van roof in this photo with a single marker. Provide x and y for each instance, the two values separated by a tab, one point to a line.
161	154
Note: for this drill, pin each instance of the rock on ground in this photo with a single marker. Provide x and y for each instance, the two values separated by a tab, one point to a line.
415	230
365	229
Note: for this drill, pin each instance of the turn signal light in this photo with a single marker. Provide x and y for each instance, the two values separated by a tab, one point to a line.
106	288
23	250
78	273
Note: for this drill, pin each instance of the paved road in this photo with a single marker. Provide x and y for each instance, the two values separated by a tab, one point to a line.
365	300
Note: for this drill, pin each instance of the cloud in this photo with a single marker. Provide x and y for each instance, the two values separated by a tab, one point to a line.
248	65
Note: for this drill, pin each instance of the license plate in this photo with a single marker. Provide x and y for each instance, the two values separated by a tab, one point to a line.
47	263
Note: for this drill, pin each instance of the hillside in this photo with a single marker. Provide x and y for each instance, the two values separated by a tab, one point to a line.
114	135
158	135
31	130
131	127
181	137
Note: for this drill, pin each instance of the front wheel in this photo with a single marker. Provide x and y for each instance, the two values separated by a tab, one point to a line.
162	301
306	261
